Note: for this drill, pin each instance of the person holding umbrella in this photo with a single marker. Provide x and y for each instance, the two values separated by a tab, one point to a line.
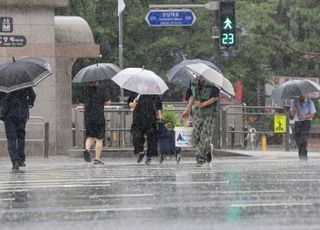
146	112
146	86
93	98
204	97
303	111
17	77
15	114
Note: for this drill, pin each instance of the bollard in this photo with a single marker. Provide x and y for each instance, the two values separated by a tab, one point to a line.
46	140
263	142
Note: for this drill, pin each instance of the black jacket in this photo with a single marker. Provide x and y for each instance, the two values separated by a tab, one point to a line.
17	103
146	111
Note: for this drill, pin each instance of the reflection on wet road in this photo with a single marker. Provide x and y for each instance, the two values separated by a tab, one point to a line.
231	193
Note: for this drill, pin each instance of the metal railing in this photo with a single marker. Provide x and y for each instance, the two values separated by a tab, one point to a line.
118	128
229	117
118	125
44	138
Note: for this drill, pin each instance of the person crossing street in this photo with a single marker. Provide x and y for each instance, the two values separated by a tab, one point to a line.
15	106
146	111
303	110
94	98
203	96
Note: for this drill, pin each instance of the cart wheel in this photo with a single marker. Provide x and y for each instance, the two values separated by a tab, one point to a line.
161	158
178	158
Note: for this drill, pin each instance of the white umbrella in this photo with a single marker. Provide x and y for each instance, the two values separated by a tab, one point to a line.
141	81
179	74
212	76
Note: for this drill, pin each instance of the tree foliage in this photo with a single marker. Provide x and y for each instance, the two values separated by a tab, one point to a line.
275	37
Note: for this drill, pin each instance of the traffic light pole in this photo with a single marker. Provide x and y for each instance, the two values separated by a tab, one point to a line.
214	6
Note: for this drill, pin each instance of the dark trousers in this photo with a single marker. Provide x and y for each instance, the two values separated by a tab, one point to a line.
15	132
138	138
301	134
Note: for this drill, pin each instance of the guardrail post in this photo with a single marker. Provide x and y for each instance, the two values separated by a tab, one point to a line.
287	134
122	126
76	126
224	129
46	140
232	129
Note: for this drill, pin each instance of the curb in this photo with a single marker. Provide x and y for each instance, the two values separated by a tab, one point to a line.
185	152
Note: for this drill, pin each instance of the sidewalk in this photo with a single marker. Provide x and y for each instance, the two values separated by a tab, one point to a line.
314	151
278	153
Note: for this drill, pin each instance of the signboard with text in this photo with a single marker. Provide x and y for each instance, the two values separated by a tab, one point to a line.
12	41
170	18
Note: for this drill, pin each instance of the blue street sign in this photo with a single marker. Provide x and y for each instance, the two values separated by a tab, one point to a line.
170	18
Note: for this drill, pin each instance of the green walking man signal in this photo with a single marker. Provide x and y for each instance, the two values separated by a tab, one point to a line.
227	36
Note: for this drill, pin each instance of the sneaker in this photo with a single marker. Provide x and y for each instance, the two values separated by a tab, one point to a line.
22	164
209	157
15	166
86	155
148	161
98	162
140	157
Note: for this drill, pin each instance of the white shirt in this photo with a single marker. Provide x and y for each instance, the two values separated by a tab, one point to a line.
304	108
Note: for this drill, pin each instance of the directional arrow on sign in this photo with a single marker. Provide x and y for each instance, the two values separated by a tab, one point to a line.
170	18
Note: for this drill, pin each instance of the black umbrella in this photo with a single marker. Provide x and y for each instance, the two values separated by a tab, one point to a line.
179	74
22	73
96	72
295	88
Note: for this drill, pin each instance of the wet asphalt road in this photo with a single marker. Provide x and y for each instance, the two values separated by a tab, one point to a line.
231	193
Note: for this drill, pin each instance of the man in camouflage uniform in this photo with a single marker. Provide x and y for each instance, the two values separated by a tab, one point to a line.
203	96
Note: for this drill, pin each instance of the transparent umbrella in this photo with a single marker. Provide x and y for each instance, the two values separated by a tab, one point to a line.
141	81
295	88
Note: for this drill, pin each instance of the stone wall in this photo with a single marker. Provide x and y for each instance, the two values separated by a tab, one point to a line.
35	20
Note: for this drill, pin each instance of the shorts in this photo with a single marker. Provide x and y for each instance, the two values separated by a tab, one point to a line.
95	129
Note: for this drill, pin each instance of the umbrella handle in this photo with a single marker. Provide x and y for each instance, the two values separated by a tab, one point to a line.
137	97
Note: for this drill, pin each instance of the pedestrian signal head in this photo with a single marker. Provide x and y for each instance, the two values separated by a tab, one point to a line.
227	23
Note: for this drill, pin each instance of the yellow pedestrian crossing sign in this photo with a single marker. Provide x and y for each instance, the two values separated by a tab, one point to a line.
280	123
